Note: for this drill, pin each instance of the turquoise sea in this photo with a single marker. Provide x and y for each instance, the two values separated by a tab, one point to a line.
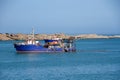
95	59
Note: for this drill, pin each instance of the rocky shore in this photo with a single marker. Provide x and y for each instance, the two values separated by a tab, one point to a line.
92	36
19	36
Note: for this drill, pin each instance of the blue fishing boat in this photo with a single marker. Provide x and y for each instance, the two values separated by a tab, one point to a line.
50	45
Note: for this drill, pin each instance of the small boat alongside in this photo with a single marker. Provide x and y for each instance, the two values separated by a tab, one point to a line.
50	45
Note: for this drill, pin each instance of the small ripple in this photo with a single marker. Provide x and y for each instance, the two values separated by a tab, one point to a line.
98	51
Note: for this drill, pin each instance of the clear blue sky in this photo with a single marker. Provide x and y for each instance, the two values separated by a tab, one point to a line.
60	16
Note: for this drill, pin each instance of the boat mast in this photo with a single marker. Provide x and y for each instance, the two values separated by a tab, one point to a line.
33	33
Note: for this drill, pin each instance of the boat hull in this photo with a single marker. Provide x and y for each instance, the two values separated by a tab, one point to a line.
40	48
35	48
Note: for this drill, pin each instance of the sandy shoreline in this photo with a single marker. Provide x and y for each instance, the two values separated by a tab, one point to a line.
20	36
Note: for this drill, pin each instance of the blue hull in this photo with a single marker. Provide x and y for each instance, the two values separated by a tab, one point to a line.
35	48
49	40
39	48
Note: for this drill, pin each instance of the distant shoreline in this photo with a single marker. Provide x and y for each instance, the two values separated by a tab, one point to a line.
20	36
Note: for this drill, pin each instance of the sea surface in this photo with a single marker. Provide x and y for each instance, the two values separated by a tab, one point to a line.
95	59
